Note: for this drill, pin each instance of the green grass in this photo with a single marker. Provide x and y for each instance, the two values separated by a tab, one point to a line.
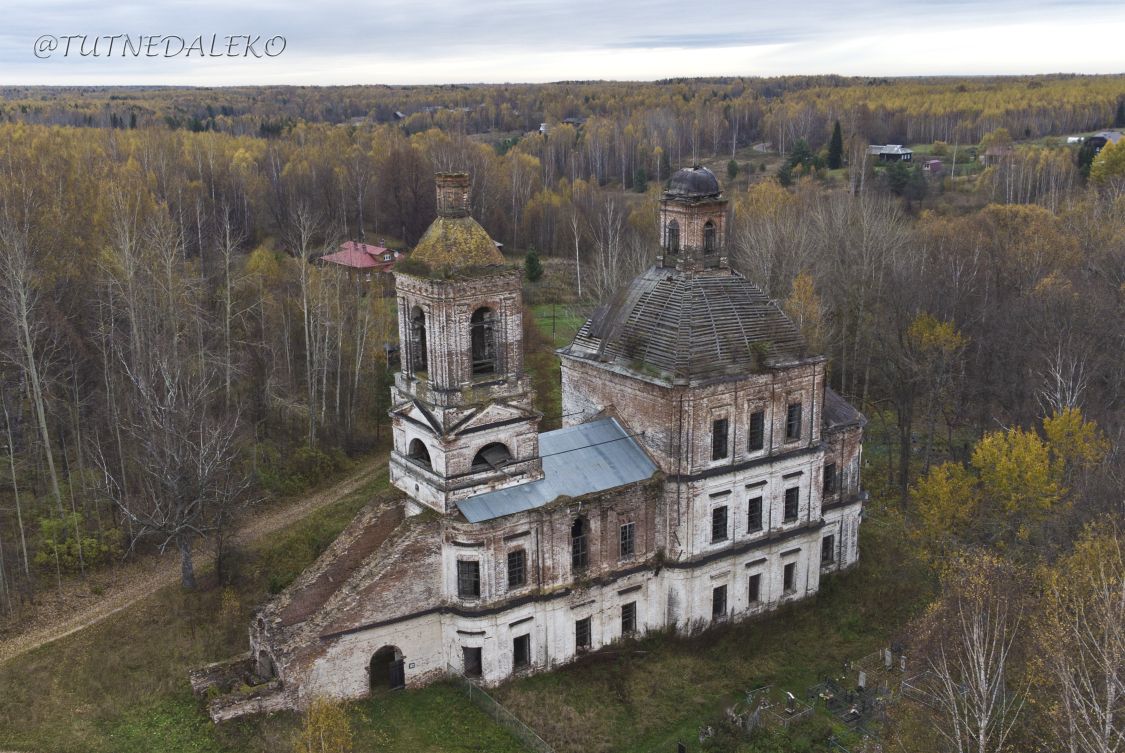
641	702
558	322
121	686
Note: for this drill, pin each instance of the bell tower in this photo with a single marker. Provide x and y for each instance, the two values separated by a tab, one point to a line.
462	418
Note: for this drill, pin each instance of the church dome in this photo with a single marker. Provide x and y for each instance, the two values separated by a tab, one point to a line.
676	326
456	242
693	183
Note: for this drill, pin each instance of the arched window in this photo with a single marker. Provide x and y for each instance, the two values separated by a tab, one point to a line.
709	237
579	553
419	454
492	456
483	337
672	237
418	359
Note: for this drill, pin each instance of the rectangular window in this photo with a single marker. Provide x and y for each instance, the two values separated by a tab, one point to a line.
579	554
521	651
793	423
582	634
468	579
829	478
628	540
754	595
757	438
719	602
473	665
719	431
828	551
792	503
719	524
517	575
754	515
790	584
629	618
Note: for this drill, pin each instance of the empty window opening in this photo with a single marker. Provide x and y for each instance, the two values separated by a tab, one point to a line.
757	438
673	237
709	245
266	669
418	453
491	457
628	540
828	550
719	524
789	585
483	336
418	359
720	429
718	602
582	640
792	503
468	579
629	618
754	592
830	478
474	667
517	575
579	554
793	423
754	515
521	651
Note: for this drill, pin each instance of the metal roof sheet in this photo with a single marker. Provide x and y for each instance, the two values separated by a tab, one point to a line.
577	460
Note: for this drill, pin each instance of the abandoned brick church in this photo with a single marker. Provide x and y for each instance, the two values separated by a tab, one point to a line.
704	472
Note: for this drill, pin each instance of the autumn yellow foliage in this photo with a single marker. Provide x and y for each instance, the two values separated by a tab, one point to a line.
326	729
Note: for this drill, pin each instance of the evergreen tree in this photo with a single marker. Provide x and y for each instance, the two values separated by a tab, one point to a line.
1119	119
836	148
532	267
640	180
732	170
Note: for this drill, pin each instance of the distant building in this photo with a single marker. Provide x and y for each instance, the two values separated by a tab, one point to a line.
544	128
1075	139
362	259
933	167
891	152
994	154
1098	141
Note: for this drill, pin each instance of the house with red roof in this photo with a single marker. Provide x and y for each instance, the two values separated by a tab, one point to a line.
363	259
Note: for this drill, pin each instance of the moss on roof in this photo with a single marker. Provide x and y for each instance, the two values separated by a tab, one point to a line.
456	242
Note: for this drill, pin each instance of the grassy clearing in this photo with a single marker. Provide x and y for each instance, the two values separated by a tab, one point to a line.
121	686
558	322
642	702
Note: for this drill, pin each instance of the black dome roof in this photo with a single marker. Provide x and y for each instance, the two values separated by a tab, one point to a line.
693	183
677	325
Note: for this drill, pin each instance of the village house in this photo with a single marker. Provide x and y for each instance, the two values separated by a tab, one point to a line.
891	152
705	472
362	260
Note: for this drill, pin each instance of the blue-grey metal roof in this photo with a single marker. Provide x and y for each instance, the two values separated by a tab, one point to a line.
577	460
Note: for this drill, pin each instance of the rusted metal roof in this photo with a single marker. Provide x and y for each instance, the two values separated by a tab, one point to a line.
839	413
577	460
678	325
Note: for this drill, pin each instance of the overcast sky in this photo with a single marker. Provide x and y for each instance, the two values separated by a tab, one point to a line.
436	41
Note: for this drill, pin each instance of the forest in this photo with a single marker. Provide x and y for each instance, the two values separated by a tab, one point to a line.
172	353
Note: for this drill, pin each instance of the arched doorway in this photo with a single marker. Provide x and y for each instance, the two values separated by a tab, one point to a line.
387	670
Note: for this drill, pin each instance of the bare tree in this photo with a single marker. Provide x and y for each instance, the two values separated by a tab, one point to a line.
1084	642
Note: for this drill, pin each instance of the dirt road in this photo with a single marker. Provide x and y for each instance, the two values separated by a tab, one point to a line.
80	608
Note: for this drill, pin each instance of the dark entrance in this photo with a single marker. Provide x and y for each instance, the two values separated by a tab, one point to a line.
473	665
387	669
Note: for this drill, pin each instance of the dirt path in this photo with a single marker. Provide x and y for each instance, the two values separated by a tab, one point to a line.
81	606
